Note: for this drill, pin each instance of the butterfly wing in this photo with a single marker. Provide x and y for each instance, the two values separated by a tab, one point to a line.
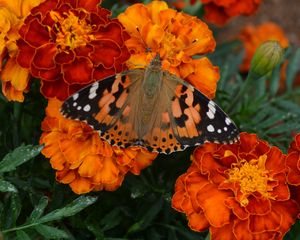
104	105
195	118
185	117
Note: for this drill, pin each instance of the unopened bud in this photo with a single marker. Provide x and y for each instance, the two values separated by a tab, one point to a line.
266	57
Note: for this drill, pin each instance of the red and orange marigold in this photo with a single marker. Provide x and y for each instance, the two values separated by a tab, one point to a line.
176	36
293	162
81	159
68	44
14	78
237	191
220	12
253	36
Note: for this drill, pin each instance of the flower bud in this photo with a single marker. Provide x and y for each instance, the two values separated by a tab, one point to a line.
266	57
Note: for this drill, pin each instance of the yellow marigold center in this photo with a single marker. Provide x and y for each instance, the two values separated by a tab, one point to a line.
72	31
252	176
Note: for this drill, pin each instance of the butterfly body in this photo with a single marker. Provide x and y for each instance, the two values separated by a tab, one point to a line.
151	108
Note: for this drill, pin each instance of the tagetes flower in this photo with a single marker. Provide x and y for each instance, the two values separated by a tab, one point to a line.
293	162
219	12
81	159
176	36
237	191
14	78
253	36
68	44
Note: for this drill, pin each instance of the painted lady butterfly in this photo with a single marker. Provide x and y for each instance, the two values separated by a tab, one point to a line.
151	108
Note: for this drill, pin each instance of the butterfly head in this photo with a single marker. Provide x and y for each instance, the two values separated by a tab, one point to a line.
155	63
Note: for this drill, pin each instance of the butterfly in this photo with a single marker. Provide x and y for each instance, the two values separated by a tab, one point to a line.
152	108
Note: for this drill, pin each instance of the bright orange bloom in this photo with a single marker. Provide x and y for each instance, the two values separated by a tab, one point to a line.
237	191
252	37
81	159
176	36
69	44
220	12
14	77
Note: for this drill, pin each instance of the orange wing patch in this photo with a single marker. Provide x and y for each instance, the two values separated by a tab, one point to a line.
186	115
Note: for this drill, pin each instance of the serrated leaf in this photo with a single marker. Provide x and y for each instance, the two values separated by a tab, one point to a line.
38	210
7	187
19	156
49	232
71	209
21	235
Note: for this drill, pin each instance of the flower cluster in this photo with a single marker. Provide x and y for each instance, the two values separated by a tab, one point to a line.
237	191
68	44
176	36
81	159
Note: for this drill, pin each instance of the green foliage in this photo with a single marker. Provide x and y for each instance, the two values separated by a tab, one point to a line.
34	206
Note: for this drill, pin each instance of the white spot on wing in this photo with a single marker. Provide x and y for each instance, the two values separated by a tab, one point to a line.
74	104
219	130
79	108
227	121
87	108
211	110
93	89
210	128
75	96
225	129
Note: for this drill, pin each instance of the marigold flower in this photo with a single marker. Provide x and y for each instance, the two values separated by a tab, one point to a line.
14	78
237	191
176	36
293	162
81	159
68	44
252	37
220	12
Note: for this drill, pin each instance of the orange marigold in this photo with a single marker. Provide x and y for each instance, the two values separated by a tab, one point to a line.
14	78
81	159
176	36
68	44
220	12
252	37
237	191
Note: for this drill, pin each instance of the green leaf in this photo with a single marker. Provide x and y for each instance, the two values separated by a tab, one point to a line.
71	209
292	69
49	232
21	235
15	207
148	217
275	79
7	187
38	210
111	220
19	156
